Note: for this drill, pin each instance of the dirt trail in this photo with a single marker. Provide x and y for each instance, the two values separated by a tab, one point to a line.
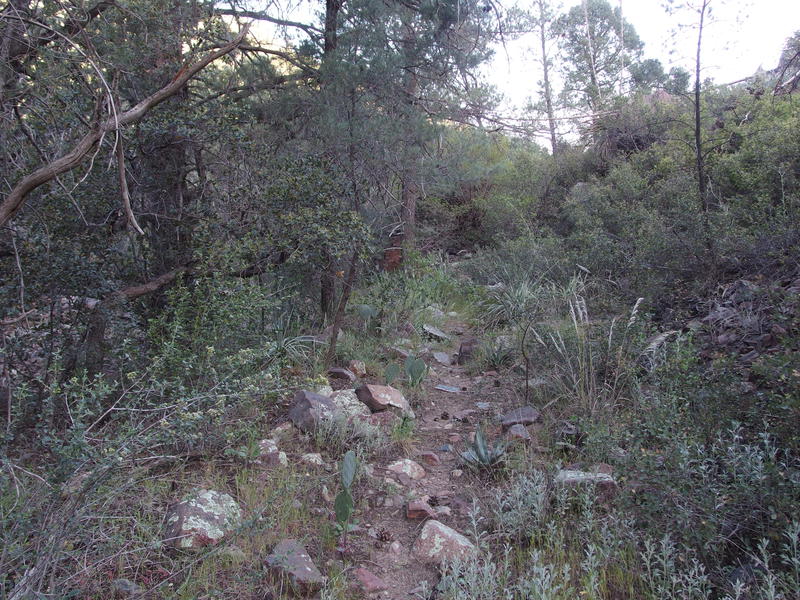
445	422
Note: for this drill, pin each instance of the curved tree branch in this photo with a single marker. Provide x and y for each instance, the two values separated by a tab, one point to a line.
14	201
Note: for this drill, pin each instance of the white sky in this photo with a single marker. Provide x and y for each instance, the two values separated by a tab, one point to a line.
746	34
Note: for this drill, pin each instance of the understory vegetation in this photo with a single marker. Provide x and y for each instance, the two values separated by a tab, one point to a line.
277	212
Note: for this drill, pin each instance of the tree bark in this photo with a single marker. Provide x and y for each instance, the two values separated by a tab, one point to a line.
548	92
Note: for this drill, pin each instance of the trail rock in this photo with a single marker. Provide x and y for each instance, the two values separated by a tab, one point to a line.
358	368
467	350
381	397
435	333
201	520
340	373
407	467
420	509
347	403
268	454
309	409
290	560
443	358
518	433
526	415
438	543
368	581
605	484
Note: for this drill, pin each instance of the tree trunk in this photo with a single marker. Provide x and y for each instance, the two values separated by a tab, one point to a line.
702	185
548	92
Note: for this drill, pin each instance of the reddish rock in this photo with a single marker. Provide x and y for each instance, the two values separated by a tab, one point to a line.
454	438
438	543
340	373
368	581
420	509
429	458
384	420
381	397
289	560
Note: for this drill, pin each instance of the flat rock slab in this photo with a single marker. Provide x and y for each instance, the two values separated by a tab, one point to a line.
382	397
435	333
309	409
448	388
438	543
201	520
407	467
289	560
525	415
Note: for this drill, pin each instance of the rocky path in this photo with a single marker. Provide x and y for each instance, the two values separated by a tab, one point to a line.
418	517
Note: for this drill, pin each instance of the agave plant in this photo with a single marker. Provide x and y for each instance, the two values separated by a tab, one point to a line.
481	456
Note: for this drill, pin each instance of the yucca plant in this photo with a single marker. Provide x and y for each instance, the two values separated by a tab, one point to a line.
481	456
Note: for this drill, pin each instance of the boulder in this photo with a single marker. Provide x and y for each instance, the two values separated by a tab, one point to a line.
202	519
340	373
381	397
525	415
309	409
290	561
358	368
438	543
429	458
407	467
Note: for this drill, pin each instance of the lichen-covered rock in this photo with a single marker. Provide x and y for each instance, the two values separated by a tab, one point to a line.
407	467
202	519
313	458
309	409
382	397
435	333
346	403
603	483
438	543
268	454
289	561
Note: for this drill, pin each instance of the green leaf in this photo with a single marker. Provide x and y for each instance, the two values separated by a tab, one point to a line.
343	506
349	466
